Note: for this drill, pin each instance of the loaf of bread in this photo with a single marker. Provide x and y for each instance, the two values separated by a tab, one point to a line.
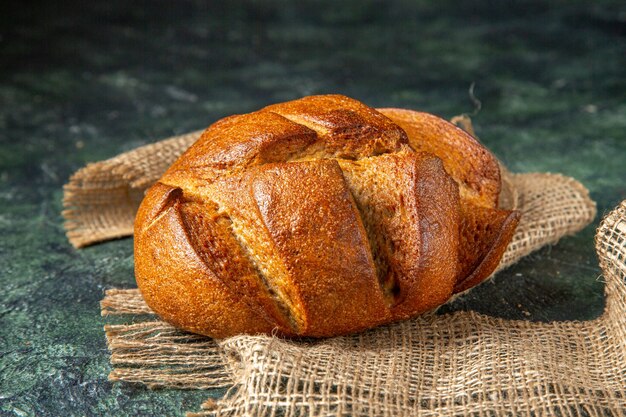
319	217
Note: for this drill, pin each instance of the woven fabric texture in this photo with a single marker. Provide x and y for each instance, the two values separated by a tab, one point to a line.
462	363
101	199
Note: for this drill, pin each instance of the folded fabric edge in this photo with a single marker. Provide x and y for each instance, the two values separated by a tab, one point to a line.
100	200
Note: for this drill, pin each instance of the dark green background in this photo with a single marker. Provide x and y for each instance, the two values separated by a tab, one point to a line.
79	83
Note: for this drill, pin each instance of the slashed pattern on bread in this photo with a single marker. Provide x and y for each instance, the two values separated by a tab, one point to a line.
319	217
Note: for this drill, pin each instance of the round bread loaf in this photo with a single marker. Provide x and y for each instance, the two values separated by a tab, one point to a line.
319	217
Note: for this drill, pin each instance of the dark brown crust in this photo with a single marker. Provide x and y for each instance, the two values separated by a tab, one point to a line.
256	229
474	168
419	222
346	128
484	236
235	143
175	281
211	236
437	198
320	238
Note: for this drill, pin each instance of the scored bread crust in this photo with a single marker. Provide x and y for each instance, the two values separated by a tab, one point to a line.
319	217
465	159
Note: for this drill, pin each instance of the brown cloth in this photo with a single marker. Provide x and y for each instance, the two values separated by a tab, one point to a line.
461	364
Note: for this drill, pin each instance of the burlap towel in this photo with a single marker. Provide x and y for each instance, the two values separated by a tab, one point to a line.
459	364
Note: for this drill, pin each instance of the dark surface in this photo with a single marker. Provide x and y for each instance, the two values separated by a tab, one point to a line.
81	84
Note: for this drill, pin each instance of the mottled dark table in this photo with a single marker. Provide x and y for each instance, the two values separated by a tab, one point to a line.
82	83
